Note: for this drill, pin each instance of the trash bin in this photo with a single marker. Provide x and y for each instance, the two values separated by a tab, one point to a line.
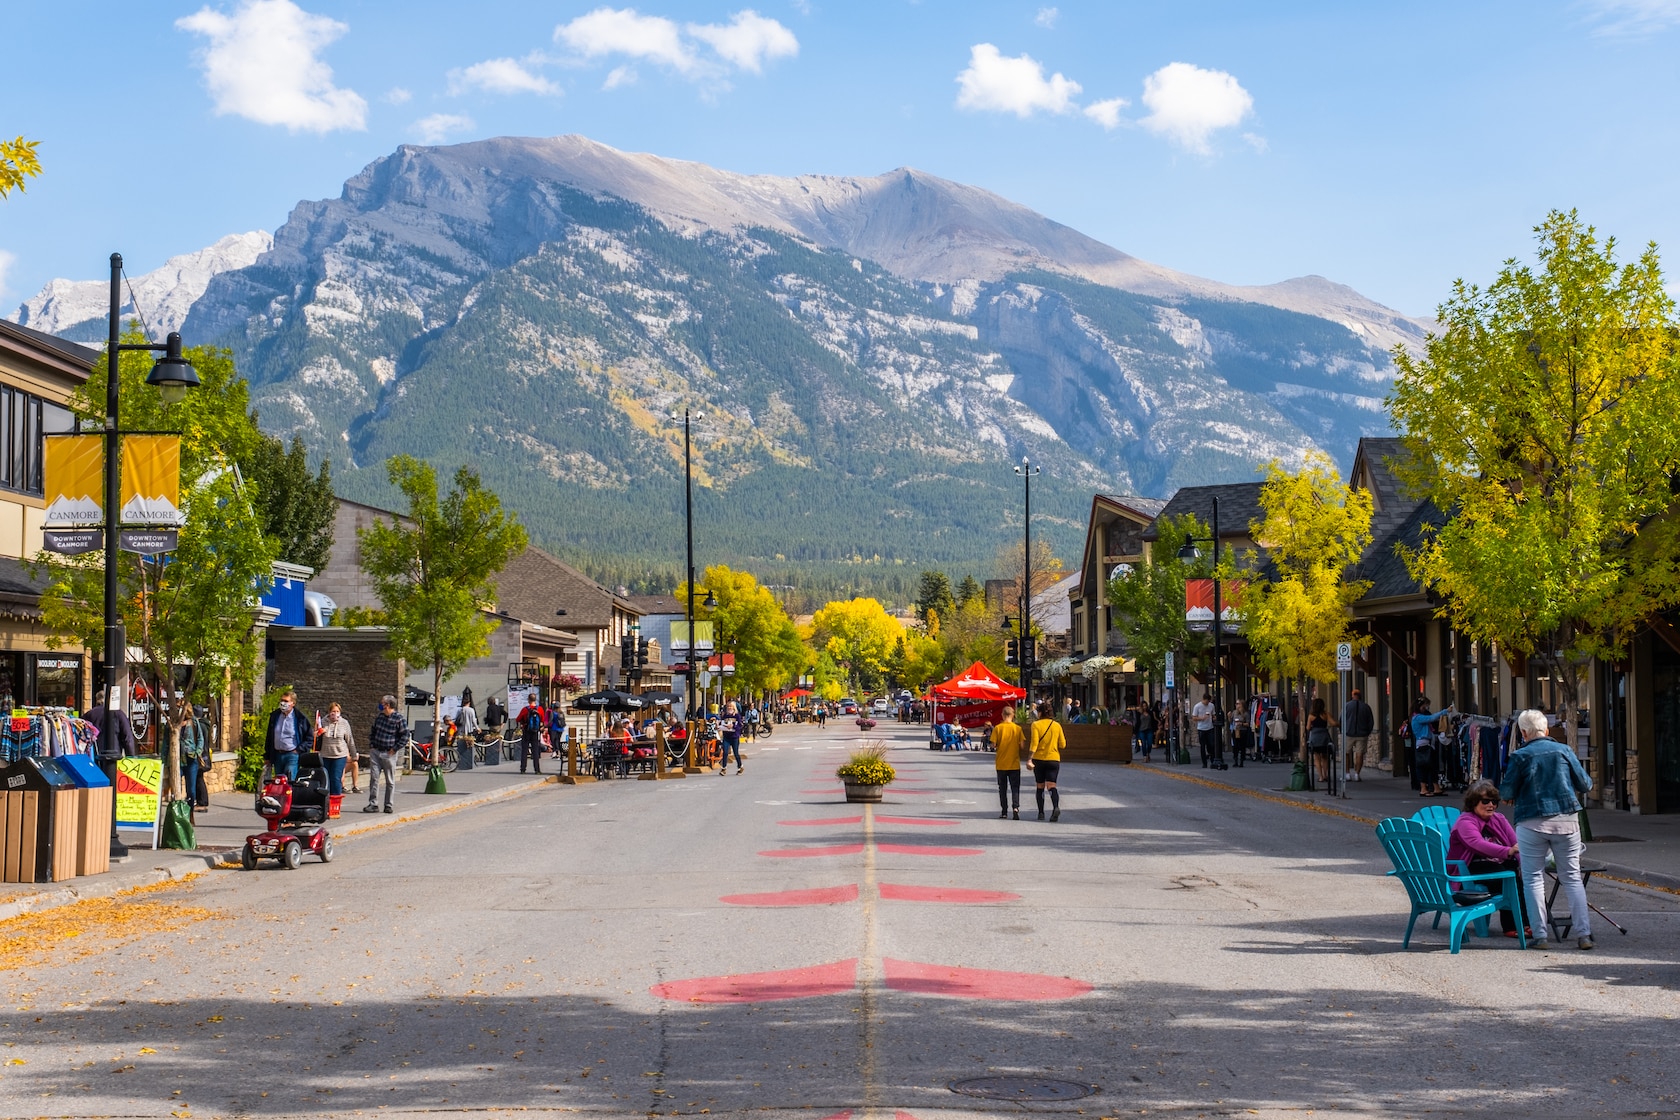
493	751
94	806
39	822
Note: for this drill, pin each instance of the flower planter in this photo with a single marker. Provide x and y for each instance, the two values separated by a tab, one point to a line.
859	792
866	724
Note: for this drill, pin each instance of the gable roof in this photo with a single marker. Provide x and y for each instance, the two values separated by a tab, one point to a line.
1144	510
535	585
1381	563
661	604
69	357
1239	503
1391	505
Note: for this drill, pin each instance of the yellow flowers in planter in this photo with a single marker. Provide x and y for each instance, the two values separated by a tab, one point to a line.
867	766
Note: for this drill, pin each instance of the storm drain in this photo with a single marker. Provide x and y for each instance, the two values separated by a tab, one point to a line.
1022	1088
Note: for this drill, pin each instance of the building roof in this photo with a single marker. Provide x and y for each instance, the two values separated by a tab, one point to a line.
1381	563
662	604
1148	508
535	585
1391	505
1239	504
1051	608
62	349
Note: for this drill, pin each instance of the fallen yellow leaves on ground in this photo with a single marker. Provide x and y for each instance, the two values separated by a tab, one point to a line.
84	929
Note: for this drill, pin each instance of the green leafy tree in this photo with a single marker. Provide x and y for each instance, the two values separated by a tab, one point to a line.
18	163
925	662
933	593
1542	421
968	591
1147	600
296	504
1297	609
435	575
190	612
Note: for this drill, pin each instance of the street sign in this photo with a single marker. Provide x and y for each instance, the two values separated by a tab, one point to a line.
73	542
1344	657
1169	670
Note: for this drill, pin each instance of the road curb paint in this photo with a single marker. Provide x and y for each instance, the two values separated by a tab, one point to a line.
763	987
979	983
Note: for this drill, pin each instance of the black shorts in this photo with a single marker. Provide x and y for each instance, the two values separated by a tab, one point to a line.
1045	772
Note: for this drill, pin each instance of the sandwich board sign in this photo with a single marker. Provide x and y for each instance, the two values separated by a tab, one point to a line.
139	795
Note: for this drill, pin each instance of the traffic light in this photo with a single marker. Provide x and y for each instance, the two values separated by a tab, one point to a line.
642	652
1012	652
1029	652
627	652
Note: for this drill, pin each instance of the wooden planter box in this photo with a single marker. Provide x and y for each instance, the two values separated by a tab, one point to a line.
1096	742
857	792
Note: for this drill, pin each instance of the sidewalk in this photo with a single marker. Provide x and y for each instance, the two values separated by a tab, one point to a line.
1642	848
222	828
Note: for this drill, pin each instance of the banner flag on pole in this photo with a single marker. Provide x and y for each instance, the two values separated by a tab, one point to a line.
151	480
74	477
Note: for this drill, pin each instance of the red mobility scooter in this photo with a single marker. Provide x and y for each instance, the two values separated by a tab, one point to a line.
296	813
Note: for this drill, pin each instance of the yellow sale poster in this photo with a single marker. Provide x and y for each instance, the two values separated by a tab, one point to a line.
151	480
139	792
75	480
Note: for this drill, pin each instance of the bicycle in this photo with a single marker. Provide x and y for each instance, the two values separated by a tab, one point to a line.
425	755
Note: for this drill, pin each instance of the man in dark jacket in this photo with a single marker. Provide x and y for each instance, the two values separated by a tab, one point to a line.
289	734
1358	722
119	744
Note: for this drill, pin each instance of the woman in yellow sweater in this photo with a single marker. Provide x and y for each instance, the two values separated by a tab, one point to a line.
1046	755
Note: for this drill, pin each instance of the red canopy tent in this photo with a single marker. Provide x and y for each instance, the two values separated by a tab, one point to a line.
796	694
974	696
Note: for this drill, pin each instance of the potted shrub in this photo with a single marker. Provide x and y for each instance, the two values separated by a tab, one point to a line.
865	723
866	773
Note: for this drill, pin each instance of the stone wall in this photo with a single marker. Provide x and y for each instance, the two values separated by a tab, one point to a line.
328	663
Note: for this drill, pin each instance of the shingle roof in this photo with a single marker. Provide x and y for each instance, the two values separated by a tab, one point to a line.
74	352
662	604
1391	505
1149	507
1239	504
535	584
1382	564
15	579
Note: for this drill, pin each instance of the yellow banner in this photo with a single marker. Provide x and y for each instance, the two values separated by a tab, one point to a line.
139	787
75	480
151	480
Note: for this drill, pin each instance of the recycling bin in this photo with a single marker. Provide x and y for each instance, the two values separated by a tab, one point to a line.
95	805
38	822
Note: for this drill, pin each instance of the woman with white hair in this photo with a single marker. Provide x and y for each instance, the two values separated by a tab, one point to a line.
1545	780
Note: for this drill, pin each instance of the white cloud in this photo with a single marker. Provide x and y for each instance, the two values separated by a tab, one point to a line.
499	75
1012	85
397	95
1046	17
1106	113
261	64
438	127
621	76
747	40
699	51
1188	104
6	262
608	31
1634	19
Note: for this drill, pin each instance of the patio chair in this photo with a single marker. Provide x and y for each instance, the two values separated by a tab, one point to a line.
1439	817
1419	855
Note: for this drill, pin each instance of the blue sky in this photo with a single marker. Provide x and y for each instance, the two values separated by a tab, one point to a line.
1390	147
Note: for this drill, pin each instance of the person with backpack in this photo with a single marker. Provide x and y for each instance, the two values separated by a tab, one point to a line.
1358	722
557	733
531	721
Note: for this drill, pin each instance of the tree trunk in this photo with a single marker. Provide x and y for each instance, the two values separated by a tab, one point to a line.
437	713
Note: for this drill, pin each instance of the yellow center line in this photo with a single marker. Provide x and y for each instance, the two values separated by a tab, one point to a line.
868	973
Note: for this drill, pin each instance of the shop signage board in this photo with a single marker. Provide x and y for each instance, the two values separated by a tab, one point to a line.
139	794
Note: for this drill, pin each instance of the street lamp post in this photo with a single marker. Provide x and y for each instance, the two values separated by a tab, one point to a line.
688	519
173	375
1190	552
1028	655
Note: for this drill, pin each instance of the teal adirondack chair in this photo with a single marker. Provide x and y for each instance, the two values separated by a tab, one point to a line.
1439	817
1419	854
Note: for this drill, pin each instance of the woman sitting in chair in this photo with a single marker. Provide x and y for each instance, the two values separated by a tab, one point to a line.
1486	842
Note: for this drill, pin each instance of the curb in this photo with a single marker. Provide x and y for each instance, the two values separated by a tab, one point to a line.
163	866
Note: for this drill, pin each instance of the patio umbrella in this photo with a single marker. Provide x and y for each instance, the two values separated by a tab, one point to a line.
660	697
609	700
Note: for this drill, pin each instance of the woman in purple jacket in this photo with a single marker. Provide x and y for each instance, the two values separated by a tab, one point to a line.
1485	840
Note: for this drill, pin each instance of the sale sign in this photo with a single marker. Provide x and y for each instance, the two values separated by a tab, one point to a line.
139	792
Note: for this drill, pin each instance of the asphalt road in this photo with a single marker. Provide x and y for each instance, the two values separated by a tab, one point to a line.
1180	949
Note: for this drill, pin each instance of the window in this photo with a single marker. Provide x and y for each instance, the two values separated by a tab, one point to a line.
24	419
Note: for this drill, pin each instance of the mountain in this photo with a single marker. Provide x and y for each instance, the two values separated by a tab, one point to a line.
873	356
80	309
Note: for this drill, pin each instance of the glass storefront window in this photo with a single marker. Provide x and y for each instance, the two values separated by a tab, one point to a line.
58	680
11	680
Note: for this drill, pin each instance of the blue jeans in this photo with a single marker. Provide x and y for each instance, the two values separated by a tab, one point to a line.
1146	742
285	763
190	768
731	740
335	774
1565	848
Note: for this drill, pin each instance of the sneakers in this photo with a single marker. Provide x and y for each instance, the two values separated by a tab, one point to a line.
738	769
1003	816
1056	814
1041	814
1017	814
1584	943
388	809
370	807
1539	945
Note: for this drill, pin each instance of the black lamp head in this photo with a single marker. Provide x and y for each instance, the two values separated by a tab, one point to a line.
172	374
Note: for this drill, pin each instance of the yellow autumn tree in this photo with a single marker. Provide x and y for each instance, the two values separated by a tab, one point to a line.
860	636
18	162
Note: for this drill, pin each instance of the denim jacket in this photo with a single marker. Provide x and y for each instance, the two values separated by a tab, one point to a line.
1545	779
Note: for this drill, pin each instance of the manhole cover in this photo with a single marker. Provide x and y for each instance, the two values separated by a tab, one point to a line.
1022	1088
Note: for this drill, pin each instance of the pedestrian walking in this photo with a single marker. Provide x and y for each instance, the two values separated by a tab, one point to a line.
195	753
1319	739
1426	753
387	736
1046	753
531	721
1358	722
730	726
335	746
1202	715
288	733
822	715
1143	728
1007	740
466	729
1544	781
